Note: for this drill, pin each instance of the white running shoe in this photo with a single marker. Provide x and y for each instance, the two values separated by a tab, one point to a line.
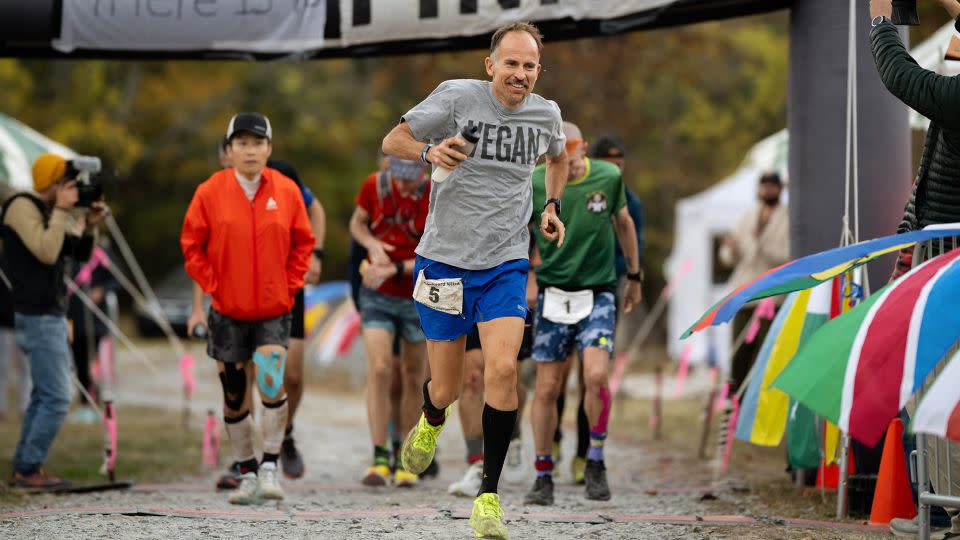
246	492
469	485
269	482
514	470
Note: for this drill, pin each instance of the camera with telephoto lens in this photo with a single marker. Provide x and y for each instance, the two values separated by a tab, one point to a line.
905	13
85	170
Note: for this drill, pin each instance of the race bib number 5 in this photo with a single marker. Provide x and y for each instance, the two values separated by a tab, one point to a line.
444	295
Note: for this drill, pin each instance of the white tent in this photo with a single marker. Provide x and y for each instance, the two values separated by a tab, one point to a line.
19	147
703	218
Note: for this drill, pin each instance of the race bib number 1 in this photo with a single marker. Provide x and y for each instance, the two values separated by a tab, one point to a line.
444	295
566	307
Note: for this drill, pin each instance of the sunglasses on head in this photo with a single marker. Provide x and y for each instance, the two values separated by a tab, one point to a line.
573	145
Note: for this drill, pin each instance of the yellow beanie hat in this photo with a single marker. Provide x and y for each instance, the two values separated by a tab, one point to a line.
48	169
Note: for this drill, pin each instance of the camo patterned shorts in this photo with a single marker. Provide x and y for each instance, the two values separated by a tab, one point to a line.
553	342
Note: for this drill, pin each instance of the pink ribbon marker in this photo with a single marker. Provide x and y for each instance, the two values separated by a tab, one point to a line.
619	368
766	309
682	370
722	398
685	269
211	441
731	430
186	374
350	332
85	275
110	426
105	357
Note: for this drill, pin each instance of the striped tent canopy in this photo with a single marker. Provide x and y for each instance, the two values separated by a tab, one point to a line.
19	147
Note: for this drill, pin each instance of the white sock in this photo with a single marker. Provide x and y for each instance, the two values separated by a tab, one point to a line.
274	423
241	439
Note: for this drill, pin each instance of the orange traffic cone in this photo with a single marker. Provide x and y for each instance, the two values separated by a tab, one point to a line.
892	498
828	476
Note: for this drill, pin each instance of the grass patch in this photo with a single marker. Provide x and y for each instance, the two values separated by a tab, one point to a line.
153	446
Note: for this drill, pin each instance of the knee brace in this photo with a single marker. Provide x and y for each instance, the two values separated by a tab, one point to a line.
270	365
234	382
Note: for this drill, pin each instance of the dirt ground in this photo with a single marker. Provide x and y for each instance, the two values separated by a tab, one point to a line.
661	488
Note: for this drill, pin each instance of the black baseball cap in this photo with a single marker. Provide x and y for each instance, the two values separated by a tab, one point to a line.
607	146
250	122
771	177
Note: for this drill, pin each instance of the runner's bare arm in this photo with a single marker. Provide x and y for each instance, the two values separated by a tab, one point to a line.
555	181
401	143
360	230
318	222
197	316
627	237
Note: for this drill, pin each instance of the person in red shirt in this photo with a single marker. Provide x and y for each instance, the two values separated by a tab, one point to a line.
391	212
247	242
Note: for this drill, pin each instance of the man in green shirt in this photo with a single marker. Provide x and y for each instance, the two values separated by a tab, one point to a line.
576	306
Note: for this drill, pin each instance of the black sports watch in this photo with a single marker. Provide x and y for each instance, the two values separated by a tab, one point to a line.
636	277
555	202
877	21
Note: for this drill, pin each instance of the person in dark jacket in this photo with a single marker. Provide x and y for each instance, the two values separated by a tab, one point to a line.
936	188
37	241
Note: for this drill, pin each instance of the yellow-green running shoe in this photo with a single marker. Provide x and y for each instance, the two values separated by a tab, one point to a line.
487	517
577	468
418	448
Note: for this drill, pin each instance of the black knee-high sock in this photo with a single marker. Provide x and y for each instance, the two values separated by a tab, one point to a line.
561	404
435	416
583	431
497	428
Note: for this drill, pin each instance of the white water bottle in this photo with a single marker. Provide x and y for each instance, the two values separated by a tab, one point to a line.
471	134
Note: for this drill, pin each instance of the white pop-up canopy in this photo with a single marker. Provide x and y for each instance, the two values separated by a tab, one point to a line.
701	222
20	146
704	218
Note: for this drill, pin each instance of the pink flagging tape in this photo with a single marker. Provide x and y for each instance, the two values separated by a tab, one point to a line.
187	377
195	487
334	514
812	523
682	370
721	401
225	513
69	510
705	520
211	441
616	376
685	268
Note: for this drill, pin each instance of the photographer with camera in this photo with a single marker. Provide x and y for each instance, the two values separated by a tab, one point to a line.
936	188
37	236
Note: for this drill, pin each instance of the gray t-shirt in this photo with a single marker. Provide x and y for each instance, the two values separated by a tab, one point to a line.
479	215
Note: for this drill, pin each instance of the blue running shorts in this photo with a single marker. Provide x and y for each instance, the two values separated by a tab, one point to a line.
487	294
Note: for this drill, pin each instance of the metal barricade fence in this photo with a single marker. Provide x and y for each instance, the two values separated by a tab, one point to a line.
934	454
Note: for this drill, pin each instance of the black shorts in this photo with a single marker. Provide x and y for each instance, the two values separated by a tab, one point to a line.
297	324
526	346
231	340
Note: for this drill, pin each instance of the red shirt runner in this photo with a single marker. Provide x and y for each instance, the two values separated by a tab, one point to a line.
407	209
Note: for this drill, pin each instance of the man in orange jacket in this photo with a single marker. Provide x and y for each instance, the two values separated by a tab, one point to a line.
247	241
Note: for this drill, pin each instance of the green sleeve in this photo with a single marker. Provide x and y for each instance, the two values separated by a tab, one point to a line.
619	197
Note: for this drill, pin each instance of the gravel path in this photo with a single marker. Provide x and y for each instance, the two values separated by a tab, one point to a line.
649	482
